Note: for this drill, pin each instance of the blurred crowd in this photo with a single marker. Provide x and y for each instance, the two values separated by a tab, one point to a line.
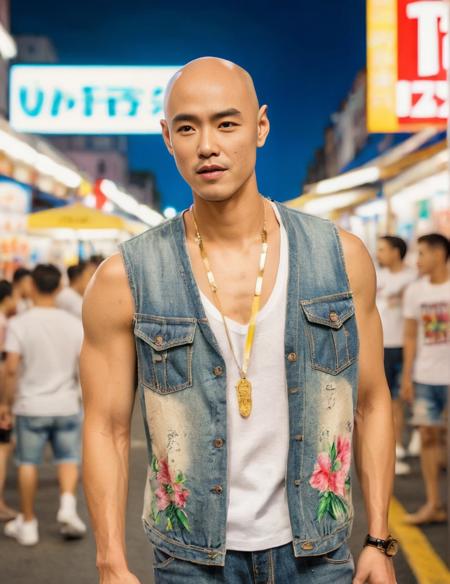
414	306
40	398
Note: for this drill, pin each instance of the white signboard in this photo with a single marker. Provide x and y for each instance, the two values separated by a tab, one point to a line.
57	99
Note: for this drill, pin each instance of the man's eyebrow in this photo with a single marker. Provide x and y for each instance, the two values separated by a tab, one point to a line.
186	117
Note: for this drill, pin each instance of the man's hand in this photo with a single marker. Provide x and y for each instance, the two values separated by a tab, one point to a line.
407	389
5	417
111	576
374	567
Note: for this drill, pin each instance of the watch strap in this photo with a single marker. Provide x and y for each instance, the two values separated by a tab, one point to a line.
382	544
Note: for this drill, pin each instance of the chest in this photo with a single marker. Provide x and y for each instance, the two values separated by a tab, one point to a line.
235	271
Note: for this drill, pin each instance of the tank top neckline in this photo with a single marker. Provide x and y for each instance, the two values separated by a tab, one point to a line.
236	326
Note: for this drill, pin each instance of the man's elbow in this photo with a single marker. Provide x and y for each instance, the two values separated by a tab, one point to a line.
373	397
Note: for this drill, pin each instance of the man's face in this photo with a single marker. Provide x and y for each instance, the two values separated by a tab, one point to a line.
386	255
428	258
26	287
213	127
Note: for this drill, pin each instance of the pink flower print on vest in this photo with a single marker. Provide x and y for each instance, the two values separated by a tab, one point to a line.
169	499
331	478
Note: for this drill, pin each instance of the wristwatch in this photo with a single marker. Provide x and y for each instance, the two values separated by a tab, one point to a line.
388	546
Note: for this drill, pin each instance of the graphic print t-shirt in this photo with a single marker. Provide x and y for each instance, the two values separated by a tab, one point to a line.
429	304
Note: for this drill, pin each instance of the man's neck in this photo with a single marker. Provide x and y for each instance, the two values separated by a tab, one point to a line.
396	267
439	275
76	289
234	220
44	301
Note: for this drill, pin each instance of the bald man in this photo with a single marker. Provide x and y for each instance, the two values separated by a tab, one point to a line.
251	334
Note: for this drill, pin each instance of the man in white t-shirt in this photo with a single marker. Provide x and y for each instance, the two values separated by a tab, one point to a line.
41	383
392	280
70	298
426	373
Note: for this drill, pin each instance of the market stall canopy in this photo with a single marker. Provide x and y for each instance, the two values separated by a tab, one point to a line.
414	156
75	217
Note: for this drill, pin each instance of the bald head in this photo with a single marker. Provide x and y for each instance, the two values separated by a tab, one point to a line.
213	125
214	72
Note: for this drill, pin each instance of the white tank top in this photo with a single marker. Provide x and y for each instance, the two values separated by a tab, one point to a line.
258	515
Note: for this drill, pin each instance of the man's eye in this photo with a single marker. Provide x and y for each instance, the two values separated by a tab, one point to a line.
185	129
227	125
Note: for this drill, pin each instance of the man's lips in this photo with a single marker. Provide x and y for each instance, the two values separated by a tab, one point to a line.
211	172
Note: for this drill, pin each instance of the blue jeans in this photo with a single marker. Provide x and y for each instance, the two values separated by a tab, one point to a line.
393	362
33	433
277	565
429	406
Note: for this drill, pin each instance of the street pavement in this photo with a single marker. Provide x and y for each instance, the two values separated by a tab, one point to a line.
54	561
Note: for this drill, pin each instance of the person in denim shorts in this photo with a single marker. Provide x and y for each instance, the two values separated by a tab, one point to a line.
426	374
41	384
392	280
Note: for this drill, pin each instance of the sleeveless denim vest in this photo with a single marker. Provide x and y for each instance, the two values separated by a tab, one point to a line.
182	391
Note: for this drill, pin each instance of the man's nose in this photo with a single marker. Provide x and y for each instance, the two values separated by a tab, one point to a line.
207	145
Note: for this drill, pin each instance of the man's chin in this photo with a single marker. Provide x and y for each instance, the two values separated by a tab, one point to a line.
213	195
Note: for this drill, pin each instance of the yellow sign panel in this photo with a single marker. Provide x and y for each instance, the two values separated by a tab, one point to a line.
381	65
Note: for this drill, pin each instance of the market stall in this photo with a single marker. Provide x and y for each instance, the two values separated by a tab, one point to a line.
67	234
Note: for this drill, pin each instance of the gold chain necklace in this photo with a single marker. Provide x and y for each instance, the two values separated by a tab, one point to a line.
243	386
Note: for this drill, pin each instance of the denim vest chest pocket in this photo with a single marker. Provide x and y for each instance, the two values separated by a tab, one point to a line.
164	349
331	331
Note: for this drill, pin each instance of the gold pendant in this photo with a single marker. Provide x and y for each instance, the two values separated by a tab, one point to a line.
244	395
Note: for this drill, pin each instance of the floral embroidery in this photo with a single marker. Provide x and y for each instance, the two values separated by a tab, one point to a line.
170	497
331	478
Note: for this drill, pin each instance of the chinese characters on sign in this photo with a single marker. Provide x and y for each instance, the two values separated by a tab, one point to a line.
407	63
88	100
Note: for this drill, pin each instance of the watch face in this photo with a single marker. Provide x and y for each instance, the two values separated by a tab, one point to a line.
392	548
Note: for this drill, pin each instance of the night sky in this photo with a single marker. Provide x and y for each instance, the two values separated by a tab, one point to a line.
303	56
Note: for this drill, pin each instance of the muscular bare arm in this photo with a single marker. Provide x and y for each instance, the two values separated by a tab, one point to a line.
107	368
374	442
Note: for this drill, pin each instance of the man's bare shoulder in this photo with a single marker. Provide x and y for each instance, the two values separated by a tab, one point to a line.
352	245
359	264
108	296
112	271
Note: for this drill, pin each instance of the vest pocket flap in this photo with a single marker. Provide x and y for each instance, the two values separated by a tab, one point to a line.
328	311
162	333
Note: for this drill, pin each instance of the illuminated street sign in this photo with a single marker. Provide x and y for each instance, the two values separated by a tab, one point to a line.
54	99
407	64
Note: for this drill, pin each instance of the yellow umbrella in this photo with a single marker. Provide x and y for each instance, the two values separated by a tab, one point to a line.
74	217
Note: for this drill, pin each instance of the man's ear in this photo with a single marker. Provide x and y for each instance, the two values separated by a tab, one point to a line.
263	126
166	136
